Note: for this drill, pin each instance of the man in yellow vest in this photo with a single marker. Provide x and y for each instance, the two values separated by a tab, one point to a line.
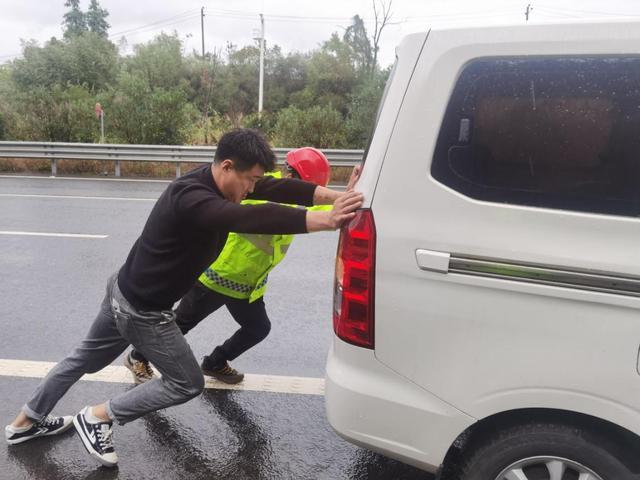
238	279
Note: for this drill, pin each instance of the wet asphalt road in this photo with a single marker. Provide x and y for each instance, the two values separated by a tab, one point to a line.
51	289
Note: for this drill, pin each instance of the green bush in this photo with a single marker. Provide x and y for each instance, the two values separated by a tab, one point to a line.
265	122
54	114
320	127
136	113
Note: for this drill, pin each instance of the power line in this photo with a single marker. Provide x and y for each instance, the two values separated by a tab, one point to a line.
173	18
191	14
576	11
159	27
471	16
280	18
151	28
543	13
223	12
163	23
297	18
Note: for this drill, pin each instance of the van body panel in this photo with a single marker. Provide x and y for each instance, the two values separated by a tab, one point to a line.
480	344
406	56
373	406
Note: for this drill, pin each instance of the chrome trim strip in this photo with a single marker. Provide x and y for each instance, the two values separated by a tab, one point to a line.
590	280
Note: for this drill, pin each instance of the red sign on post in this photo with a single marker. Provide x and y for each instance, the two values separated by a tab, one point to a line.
98	110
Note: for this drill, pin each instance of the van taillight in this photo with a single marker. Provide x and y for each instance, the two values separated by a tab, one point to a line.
353	294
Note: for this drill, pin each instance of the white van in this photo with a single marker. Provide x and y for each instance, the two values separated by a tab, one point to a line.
487	301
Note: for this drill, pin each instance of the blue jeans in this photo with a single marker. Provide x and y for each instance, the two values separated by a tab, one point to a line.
117	325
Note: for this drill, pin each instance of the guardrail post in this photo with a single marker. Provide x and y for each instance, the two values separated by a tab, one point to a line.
117	168
54	167
178	169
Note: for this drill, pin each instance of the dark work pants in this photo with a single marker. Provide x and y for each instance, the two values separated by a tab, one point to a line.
200	302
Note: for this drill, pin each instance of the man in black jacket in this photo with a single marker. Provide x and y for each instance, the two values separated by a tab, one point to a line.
184	233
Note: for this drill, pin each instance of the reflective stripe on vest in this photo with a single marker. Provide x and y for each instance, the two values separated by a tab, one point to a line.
231	285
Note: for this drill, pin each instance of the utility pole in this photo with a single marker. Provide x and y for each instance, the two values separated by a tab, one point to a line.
528	11
202	29
261	88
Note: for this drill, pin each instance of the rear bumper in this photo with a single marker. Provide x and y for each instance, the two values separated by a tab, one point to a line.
372	406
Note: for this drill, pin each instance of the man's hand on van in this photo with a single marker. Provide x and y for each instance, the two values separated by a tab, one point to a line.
343	210
355	176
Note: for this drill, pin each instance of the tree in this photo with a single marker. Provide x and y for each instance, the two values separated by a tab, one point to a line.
357	38
237	88
363	108
382	19
75	21
97	19
331	76
7	92
284	76
86	59
159	61
326	97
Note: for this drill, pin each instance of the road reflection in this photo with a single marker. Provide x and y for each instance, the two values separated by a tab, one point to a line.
204	453
253	458
43	458
371	466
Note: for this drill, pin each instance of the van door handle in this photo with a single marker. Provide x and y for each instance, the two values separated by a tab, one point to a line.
433	261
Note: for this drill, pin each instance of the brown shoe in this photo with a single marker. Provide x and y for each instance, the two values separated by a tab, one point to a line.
141	371
225	373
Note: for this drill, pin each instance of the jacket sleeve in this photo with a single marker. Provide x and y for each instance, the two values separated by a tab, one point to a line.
213	213
284	190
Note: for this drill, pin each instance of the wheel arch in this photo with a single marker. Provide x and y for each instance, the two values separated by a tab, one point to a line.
624	443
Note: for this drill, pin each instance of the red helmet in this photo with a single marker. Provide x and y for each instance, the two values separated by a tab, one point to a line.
310	164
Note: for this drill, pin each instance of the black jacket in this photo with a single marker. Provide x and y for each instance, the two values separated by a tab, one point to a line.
188	228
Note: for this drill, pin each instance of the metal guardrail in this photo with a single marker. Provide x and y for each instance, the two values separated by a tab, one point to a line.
177	154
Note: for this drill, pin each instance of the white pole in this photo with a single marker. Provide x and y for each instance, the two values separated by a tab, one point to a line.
261	88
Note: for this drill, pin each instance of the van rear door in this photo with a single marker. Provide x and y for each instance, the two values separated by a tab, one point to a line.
507	220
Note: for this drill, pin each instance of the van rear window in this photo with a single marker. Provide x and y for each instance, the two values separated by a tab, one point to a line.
558	133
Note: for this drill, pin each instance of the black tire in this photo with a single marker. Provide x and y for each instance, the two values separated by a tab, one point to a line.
579	450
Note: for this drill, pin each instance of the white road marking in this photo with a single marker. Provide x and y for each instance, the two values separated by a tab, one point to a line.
117	374
76	197
45	234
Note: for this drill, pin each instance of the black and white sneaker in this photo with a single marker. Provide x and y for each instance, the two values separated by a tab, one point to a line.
96	438
49	425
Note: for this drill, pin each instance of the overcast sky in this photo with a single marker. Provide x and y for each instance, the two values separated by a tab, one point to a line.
293	24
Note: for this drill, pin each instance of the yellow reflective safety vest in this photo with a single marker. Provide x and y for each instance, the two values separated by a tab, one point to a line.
242	268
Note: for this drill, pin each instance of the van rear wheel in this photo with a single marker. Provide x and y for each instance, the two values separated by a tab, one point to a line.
547	468
545	452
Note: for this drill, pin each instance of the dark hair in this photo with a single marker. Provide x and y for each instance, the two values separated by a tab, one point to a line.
246	147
